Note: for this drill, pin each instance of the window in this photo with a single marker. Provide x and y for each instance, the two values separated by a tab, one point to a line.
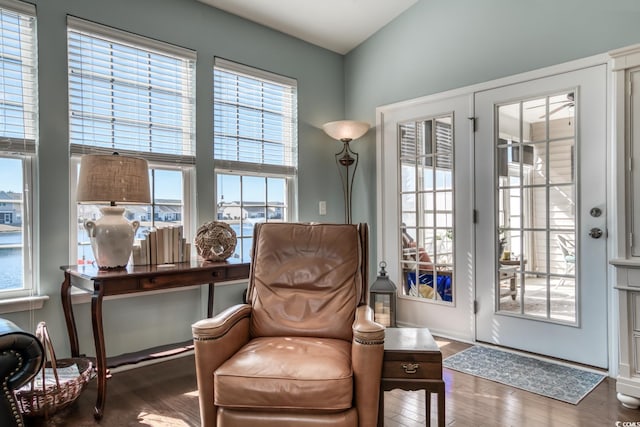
426	204
537	193
135	96
18	118
255	148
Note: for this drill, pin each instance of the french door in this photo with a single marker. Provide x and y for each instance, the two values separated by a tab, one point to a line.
540	181
425	232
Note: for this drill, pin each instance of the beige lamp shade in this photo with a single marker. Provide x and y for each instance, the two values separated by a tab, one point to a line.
113	178
345	130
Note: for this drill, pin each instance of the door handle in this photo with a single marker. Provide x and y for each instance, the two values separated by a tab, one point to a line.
595	212
595	233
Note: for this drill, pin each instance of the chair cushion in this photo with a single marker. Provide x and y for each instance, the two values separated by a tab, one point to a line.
287	373
242	418
305	280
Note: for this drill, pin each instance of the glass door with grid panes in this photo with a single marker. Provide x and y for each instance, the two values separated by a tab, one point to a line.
424	222
426	205
540	194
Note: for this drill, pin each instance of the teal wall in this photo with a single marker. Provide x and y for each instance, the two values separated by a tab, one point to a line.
166	318
438	45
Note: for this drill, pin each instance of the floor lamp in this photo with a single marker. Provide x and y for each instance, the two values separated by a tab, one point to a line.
346	159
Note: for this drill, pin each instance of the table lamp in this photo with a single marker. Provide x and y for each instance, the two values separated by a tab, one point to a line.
112	179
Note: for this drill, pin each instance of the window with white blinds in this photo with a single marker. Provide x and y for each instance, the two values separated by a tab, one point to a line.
129	94
255	119
18	86
255	148
18	135
136	96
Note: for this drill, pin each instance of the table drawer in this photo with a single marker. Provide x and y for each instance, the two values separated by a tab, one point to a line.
411	369
123	286
174	280
221	274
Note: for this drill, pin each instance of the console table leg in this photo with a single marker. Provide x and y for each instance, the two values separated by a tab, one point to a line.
210	301
65	295
101	358
427	414
441	416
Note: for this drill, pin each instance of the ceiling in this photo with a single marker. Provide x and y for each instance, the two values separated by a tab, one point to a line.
337	25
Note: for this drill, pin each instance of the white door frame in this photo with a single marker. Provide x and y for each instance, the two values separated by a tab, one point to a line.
385	242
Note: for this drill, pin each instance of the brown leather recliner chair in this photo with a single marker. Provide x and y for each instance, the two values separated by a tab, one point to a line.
304	351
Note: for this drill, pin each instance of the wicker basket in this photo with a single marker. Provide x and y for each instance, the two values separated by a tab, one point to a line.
46	399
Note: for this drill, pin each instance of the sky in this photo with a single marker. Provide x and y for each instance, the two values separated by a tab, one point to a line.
11	175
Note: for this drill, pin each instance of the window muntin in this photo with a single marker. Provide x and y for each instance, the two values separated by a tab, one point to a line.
245	200
536	192
426	206
255	148
136	96
18	129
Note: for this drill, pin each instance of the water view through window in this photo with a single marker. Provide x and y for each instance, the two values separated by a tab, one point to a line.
11	217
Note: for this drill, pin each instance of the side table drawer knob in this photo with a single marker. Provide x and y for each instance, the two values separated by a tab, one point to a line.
410	368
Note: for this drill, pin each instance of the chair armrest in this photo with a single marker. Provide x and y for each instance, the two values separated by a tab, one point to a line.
215	340
219	325
367	352
365	330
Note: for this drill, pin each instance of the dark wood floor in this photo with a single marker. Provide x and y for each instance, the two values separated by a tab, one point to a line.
165	394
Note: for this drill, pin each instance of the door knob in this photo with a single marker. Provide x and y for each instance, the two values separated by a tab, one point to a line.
595	233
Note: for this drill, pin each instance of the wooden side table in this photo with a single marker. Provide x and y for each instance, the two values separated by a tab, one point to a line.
412	361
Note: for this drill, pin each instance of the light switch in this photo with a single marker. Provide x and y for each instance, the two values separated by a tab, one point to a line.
322	207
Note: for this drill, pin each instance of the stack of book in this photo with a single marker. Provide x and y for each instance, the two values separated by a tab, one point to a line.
165	245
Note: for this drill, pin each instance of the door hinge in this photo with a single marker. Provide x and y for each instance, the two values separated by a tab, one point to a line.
630	164
630	240
475	216
630	89
475	306
473	123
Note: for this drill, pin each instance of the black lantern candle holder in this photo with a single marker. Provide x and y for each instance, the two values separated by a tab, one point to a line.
382	299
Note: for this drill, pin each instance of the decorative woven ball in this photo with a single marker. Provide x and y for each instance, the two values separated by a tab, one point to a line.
215	241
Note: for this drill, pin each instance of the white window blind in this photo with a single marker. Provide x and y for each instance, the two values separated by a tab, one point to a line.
129	94
255	119
18	86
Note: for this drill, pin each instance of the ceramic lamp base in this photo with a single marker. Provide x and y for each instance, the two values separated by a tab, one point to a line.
111	237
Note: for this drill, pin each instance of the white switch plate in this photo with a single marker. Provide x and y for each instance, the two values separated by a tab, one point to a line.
322	207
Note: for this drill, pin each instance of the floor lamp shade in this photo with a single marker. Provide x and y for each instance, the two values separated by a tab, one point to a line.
346	159
112	179
345	129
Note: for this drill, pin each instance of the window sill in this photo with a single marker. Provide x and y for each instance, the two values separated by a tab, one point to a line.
12	305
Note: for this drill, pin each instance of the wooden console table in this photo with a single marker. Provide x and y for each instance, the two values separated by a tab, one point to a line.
412	361
135	279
